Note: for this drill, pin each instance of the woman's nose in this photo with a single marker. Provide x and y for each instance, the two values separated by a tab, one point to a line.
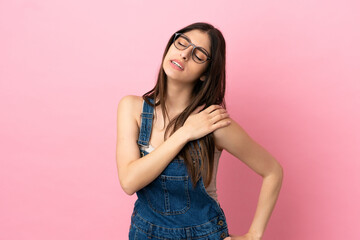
186	53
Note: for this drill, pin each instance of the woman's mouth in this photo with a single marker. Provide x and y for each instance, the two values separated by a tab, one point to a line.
176	65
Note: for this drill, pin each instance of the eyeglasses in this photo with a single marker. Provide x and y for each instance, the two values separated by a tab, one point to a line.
199	54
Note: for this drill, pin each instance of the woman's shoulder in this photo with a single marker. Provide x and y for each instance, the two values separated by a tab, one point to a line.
131	104
131	100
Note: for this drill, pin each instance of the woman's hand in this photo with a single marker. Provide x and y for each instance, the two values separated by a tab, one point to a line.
199	124
247	236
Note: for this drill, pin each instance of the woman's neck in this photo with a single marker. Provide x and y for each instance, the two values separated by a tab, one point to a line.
178	96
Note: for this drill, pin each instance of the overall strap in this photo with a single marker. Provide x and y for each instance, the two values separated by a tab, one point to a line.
147	116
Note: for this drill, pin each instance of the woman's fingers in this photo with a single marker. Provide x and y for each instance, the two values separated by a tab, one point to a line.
201	123
219	117
220	124
217	112
212	108
208	110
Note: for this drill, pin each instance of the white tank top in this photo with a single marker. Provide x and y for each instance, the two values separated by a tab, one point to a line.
211	189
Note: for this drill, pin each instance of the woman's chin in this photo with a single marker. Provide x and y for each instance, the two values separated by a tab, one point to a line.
171	73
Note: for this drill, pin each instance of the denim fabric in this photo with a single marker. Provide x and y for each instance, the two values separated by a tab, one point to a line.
170	207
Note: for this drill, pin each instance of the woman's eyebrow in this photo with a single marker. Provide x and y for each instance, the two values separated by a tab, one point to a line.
187	37
192	42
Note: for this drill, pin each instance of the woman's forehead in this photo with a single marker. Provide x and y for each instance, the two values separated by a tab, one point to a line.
199	38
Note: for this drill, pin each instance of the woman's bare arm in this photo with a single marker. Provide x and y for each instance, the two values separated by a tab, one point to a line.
237	142
135	172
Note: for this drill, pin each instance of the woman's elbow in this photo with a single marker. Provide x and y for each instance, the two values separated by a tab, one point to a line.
126	187
276	172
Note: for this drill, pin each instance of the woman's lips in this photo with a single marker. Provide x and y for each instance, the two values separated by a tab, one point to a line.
174	65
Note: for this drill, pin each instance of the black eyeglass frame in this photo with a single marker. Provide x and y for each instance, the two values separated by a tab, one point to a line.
194	47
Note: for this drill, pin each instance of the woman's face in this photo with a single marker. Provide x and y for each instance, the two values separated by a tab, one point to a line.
190	70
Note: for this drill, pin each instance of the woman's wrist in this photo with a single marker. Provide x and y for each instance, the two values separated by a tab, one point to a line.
183	135
254	235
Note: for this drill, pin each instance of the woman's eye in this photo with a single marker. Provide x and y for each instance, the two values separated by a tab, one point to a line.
198	58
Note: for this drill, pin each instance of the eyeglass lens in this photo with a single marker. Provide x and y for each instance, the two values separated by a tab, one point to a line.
182	43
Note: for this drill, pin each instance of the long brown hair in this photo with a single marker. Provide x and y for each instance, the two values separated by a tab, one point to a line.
211	91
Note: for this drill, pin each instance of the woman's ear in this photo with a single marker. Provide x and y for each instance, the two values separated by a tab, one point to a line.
203	77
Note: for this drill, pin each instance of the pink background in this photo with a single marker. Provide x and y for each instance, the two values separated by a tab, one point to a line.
292	84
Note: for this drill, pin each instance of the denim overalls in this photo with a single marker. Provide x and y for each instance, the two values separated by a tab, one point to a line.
169	207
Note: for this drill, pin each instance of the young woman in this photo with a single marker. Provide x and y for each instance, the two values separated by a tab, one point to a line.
170	139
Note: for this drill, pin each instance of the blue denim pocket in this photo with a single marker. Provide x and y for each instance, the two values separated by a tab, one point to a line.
169	195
